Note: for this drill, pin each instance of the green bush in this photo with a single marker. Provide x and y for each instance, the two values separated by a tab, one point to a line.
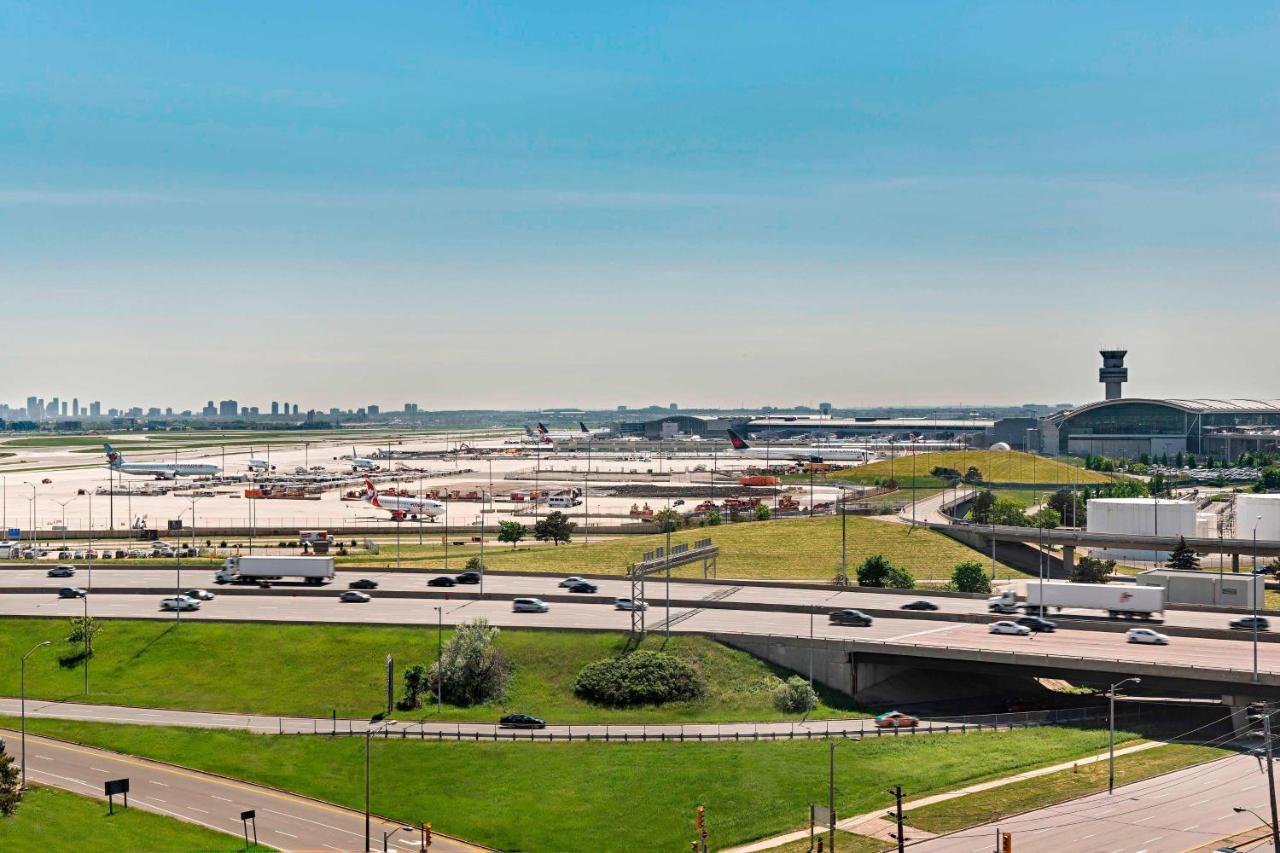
795	696
970	576
639	678
472	669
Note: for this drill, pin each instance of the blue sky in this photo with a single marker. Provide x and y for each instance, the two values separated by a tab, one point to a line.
538	203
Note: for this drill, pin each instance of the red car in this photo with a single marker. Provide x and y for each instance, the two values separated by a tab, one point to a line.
896	720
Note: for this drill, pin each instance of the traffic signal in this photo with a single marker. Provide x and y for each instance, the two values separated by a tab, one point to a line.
426	835
700	819
1006	842
1256	715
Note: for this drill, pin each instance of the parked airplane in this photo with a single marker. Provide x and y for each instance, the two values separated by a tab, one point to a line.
160	470
359	463
530	437
593	433
795	453
557	436
401	508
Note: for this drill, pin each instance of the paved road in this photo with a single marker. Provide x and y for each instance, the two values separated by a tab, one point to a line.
285	821
1174	812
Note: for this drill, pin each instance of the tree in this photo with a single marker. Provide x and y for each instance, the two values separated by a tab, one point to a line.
1182	557
1092	570
763	512
1269	477
474	565
10	785
1006	512
970	576
415	684
511	531
876	571
83	630
1045	517
1157	484
712	518
980	509
1070	506
973	475
555	527
795	696
668	520
472	668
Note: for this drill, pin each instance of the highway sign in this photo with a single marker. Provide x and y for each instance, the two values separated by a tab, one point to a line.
14	533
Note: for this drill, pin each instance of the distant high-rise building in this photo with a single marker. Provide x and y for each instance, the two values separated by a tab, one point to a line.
411	408
153	412
75	406
228	409
95	409
33	404
209	410
673	407
168	411
295	409
64	409
374	410
622	408
275	407
52	409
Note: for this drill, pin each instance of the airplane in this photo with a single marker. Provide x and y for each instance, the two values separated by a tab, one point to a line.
794	453
161	470
592	433
401	508
359	463
260	466
533	438
557	436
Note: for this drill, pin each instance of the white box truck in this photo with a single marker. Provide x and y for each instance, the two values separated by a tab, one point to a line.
312	570
1123	600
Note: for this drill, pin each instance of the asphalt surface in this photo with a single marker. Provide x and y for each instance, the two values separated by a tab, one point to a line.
284	820
1174	812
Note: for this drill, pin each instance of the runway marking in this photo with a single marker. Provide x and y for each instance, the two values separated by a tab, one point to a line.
216	797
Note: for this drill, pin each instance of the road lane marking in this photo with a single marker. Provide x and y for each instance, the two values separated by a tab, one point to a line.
282	832
947	627
157	782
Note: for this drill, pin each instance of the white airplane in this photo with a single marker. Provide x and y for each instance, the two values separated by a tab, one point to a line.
160	470
592	433
260	466
401	508
794	453
359	463
557	436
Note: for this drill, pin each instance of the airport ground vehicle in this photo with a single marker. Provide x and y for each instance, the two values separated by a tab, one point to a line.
61	572
522	721
1006	627
180	602
919	605
355	597
529	605
855	618
896	720
1118	600
629	604
246	569
1146	635
443	580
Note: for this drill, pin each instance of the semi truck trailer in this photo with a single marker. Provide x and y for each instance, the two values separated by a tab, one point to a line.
1118	600
257	570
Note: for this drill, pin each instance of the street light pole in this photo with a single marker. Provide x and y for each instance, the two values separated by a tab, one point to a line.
439	658
368	736
1111	749
23	699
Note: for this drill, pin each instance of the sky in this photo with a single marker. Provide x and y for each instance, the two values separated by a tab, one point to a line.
716	204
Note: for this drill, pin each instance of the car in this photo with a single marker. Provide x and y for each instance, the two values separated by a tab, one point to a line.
896	720
468	577
180	602
1146	635
522	721
71	592
678	502
442	580
91	554
629	604
199	594
1036	623
1004	626
583	586
355	596
571	580
529	605
363	583
77	555
1246	623
919	605
137	553
62	571
850	617
64	554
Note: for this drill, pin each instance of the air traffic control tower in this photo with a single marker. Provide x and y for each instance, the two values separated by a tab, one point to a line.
1113	373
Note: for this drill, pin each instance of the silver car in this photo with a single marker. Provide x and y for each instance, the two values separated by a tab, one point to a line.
529	605
180	602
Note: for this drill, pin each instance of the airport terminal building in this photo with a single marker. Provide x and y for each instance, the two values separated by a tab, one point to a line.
1128	428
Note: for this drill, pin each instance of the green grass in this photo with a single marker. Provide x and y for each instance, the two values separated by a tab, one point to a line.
594	796
996	803
305	670
51	820
996	467
846	842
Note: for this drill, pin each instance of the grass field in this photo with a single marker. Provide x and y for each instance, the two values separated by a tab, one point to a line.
297	670
846	842
51	820
997	467
592	796
986	806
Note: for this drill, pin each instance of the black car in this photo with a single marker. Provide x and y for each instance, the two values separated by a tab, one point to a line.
71	592
1245	623
583	586
521	721
1035	623
363	583
850	617
468	577
919	605
443	580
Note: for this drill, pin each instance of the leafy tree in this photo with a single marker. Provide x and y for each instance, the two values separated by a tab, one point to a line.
1182	557
511	531
970	576
1125	488
639	678
1178	459
416	679
1070	506
474	565
763	512
555	527
876	571
795	696
980	509
1092	570
83	630
1008	513
1191	460
973	475
1269	477
667	519
945	473
712	518
1158	485
10	785
1046	517
472	669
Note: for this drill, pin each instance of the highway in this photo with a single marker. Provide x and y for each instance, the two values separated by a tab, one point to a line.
1177	811
285	821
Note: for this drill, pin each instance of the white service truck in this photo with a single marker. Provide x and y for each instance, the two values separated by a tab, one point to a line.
1119	600
258	570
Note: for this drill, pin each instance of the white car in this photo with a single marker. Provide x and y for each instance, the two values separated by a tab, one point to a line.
180	602
1004	626
199	595
570	581
529	605
137	553
629	604
1146	635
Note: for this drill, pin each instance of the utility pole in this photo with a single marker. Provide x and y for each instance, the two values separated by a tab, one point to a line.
1271	781
897	795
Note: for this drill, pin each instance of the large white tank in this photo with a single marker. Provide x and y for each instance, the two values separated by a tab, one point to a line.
1140	517
1206	525
1249	507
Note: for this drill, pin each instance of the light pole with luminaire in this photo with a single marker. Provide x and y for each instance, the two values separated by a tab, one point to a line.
439	656
1253	595
831	788
368	735
23	700
1111	750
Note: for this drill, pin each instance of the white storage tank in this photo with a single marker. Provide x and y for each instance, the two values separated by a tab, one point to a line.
1249	507
1140	517
1207	525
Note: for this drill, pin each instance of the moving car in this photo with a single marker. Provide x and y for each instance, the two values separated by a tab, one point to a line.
919	605
71	592
583	586
1004	626
199	595
1146	635
363	583
180	602
468	577
529	605
629	604
571	580
62	571
896	720
1036	623
354	596
855	618
442	580
1245	623
522	721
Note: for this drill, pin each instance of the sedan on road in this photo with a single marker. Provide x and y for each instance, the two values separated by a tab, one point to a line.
629	604
363	583
1246	623
1146	635
468	577
71	592
442	580
571	580
896	720
63	571
355	597
1036	623
583	586
919	605
854	618
529	605
522	721
1004	626
180	602
199	594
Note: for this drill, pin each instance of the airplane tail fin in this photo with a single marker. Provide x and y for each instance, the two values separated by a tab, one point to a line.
584	427
370	493
737	442
113	456
542	428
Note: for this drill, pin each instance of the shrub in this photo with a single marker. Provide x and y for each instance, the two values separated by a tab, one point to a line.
763	512
970	576
876	571
795	696
639	678
474	565
472	669
712	518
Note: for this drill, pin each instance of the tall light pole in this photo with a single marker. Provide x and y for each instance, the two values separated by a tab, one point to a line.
23	700
831	789
368	735
63	505
439	659
89	556
31	511
1111	749
1253	595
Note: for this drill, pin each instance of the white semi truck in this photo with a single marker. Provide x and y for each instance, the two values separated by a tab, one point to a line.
258	570
1119	600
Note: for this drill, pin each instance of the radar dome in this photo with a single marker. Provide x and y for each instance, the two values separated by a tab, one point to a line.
1001	445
